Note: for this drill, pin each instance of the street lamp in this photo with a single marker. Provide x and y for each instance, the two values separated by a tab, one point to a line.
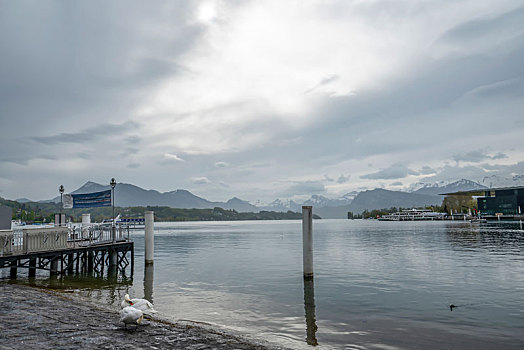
61	190
113	184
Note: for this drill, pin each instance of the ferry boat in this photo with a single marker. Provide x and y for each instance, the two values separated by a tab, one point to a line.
413	215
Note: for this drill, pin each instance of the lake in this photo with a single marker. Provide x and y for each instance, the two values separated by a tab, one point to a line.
377	285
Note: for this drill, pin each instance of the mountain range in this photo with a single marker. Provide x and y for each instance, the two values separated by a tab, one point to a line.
418	195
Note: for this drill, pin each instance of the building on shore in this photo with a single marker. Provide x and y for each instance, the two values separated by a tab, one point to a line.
502	201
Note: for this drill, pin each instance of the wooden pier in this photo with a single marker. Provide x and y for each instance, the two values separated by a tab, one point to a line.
60	250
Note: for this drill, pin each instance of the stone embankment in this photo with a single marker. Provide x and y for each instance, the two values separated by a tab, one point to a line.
32	318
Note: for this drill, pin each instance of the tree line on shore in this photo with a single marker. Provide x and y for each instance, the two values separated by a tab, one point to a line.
32	212
456	203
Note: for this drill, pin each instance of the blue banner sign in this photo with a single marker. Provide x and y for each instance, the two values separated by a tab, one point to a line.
90	200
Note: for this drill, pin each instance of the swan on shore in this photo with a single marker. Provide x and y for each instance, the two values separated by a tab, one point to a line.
130	315
140	304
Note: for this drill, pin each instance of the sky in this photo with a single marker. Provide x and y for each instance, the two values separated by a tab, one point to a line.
259	99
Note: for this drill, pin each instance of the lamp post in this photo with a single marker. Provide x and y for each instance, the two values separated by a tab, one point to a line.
61	190
113	184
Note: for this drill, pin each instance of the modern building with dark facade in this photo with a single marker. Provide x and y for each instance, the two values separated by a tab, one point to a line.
505	201
497	201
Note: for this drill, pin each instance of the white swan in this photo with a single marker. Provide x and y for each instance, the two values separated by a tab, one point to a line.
130	315
140	304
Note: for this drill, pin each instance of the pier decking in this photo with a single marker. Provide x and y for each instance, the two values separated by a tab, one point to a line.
59	250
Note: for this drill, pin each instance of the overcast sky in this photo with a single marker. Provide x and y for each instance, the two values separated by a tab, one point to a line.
259	99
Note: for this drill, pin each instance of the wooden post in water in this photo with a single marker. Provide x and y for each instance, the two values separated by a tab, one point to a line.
32	267
12	272
149	243
307	241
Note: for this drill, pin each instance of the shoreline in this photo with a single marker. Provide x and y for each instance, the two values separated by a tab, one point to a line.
42	318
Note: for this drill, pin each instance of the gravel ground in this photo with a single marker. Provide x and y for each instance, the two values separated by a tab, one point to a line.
33	318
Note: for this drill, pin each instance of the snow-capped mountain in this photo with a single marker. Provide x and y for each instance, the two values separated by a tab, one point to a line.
282	205
419	185
448	187
348	197
321	201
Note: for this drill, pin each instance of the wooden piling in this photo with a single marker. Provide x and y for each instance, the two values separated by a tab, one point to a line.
149	238
32	267
12	272
307	241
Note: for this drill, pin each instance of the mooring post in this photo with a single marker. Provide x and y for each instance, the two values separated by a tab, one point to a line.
307	240
148	282
12	272
54	266
70	265
90	261
32	267
149	236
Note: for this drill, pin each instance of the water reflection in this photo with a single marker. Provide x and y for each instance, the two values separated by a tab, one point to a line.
148	282
309	305
500	237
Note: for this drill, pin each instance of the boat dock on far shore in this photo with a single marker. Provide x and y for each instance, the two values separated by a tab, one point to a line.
413	215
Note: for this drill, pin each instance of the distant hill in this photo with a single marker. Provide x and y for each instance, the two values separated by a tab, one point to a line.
419	195
127	195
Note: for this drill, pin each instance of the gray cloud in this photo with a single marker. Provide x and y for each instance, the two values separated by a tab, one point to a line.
88	134
396	171
343	179
426	170
305	188
221	164
72	70
200	180
477	156
324	81
499	155
496	27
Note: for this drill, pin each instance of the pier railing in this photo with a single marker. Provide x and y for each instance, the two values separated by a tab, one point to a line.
42	239
29	240
89	234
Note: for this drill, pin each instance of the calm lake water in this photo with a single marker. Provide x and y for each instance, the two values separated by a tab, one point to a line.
377	285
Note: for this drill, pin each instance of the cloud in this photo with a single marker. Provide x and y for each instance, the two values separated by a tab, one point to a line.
396	183
477	156
426	170
499	155
88	134
328	178
305	188
173	157
323	82
343	179
197	82
396	171
200	180
133	165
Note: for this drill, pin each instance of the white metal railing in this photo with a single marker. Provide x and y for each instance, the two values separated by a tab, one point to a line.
89	234
31	240
6	242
